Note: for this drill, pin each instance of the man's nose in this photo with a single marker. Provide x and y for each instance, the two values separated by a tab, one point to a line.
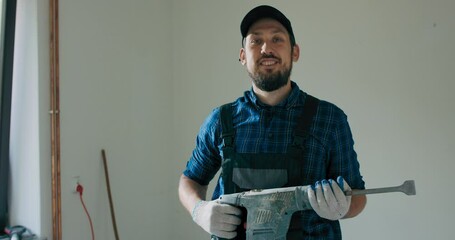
265	49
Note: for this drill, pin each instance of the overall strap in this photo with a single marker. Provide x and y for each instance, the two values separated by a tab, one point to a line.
227	133
227	127
310	108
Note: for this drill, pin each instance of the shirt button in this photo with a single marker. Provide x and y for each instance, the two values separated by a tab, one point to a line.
270	135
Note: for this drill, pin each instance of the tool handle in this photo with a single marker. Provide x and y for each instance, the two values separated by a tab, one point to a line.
108	185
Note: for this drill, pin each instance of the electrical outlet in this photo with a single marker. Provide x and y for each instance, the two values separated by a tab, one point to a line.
75	183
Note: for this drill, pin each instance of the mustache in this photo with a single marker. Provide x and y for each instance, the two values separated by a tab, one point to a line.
269	55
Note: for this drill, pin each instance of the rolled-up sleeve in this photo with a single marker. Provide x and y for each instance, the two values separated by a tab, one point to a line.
205	160
343	158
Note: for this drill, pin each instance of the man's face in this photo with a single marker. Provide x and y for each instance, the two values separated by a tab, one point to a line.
268	54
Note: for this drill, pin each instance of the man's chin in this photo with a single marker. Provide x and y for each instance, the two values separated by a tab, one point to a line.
269	85
272	81
268	71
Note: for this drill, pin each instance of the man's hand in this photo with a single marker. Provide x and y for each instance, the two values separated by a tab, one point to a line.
218	219
328	199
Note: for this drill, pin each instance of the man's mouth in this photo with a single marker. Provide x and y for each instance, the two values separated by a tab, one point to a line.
269	62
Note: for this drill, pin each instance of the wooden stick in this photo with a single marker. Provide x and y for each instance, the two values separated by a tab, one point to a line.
103	153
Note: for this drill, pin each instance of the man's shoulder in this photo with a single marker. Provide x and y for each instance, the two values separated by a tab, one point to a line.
328	114
325	107
213	120
243	103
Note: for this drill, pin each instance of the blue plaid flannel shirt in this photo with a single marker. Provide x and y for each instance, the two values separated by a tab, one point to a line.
265	129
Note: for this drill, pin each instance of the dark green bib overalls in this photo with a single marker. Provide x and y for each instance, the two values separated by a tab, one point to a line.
246	171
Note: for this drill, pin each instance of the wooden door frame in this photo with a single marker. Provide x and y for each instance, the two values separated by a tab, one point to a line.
55	119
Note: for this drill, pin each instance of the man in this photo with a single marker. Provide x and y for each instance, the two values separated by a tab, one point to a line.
274	136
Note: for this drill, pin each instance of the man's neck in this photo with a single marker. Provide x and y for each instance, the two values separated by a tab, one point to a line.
275	97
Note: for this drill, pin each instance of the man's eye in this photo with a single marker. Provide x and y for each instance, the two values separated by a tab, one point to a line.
277	40
255	41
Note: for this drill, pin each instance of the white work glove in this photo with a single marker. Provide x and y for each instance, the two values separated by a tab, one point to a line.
217	219
329	201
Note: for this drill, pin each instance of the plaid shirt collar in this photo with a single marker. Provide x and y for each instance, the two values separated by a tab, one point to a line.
292	100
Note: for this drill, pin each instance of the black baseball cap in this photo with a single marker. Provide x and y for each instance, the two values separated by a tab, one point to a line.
265	11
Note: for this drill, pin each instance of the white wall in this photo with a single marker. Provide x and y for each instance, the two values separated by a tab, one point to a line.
116	94
30	198
24	120
138	78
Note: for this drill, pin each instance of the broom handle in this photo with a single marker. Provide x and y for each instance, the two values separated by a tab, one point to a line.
103	153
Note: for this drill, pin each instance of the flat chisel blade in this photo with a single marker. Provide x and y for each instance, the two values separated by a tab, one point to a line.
408	188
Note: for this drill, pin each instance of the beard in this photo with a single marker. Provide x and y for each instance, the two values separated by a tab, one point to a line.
269	82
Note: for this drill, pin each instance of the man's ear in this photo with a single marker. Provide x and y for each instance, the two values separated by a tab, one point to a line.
296	53
242	58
